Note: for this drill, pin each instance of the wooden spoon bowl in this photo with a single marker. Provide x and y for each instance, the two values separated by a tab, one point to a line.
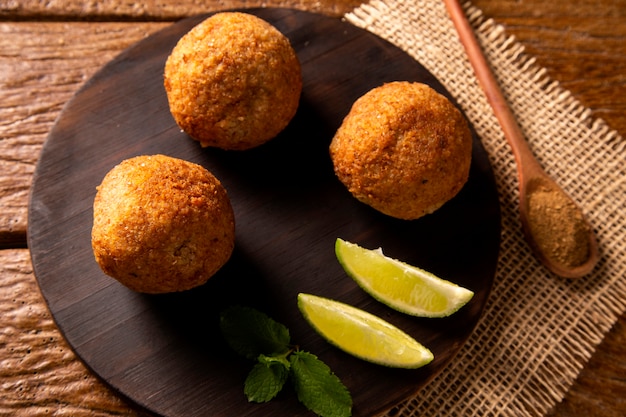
555	228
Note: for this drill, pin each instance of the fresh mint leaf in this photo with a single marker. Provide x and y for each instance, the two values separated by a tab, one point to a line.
252	333
256	336
317	387
266	379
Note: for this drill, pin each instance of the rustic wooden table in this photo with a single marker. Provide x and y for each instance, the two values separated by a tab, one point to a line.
49	49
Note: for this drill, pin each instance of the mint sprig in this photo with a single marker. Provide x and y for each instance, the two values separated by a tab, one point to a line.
258	337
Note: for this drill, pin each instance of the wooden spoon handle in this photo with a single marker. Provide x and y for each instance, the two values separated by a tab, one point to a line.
512	131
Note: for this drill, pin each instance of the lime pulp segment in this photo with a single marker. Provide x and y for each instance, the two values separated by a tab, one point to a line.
403	287
362	334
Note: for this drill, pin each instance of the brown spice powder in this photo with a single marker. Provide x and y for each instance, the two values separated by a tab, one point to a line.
558	226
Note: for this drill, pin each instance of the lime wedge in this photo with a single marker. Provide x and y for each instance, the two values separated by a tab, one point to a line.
362	334
402	287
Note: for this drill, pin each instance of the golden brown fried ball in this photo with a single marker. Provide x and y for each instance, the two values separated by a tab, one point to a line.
403	149
161	224
233	81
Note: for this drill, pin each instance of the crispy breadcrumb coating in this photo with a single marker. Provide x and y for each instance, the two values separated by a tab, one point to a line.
403	149
161	224
233	81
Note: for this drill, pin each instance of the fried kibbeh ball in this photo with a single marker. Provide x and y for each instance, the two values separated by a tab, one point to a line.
161	224
403	149
233	81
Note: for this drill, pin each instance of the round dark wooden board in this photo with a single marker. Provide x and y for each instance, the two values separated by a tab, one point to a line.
165	352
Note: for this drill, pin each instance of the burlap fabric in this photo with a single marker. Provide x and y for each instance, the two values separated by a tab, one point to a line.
538	330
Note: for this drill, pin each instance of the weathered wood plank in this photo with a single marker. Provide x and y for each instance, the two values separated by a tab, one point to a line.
581	44
514	8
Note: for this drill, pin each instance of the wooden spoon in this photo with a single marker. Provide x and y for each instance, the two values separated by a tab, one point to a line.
553	224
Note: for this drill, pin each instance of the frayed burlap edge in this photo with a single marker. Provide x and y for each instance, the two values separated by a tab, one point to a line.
538	330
